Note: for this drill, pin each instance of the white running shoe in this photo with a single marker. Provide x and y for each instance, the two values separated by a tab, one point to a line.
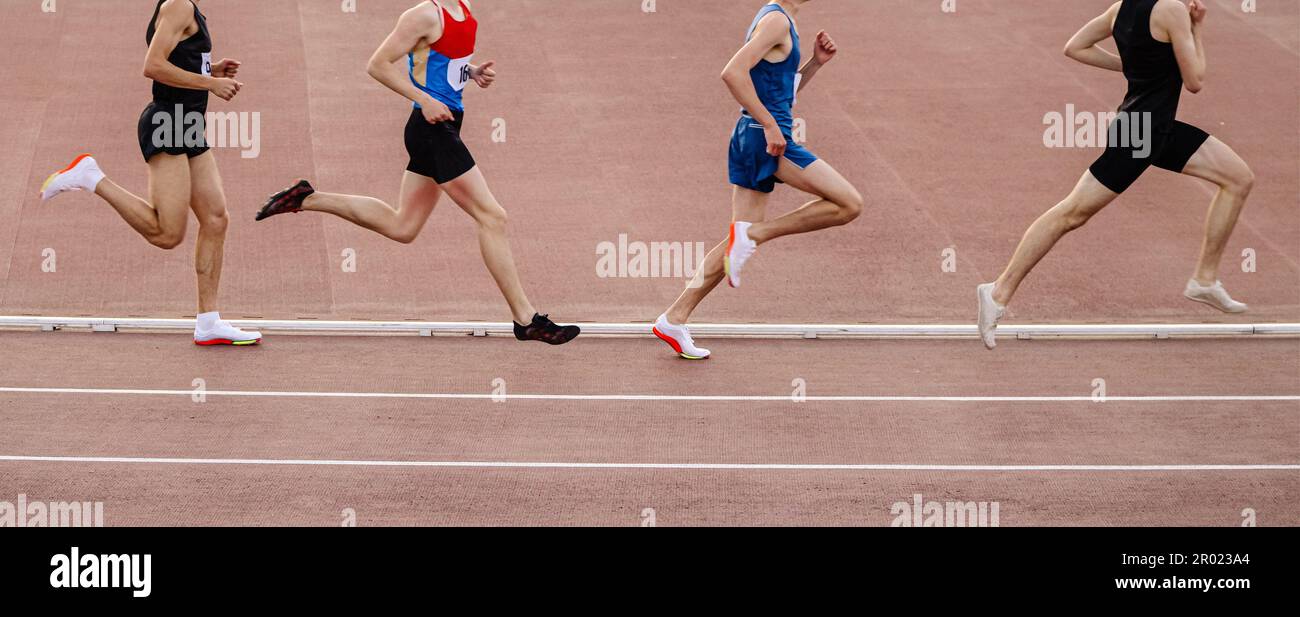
679	338
990	313
225	334
1214	295
82	175
739	249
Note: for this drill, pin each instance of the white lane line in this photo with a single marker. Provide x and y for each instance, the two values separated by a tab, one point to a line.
655	397
635	466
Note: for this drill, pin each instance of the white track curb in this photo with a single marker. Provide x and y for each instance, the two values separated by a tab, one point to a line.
430	328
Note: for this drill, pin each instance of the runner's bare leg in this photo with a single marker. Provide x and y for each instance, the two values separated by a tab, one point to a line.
419	197
746	205
208	200
1216	162
162	219
1086	200
470	191
838	202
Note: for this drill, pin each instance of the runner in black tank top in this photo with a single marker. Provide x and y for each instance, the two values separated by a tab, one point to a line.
1155	83
1157	71
179	105
183	175
193	54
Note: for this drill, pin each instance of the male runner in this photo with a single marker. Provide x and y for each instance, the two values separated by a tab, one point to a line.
182	171
436	39
765	76
1160	52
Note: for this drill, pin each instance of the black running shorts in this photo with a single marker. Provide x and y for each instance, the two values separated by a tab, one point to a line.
436	149
1120	166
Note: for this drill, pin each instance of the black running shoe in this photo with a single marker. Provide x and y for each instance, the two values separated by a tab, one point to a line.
288	200
544	330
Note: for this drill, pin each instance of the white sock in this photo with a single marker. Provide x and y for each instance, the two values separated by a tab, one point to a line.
208	321
95	178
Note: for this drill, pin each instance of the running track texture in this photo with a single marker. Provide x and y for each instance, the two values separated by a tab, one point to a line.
937	118
403	430
615	125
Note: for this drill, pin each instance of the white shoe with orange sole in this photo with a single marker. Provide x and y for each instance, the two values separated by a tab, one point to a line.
82	175
225	334
679	338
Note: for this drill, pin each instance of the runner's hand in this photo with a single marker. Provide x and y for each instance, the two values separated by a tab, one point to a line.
1197	10
826	49
226	68
775	140
225	88
435	112
484	75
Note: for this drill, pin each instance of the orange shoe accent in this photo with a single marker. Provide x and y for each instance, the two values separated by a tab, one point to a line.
668	339
75	162
726	257
45	185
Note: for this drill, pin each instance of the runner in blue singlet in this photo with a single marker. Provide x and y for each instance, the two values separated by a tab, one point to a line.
765	76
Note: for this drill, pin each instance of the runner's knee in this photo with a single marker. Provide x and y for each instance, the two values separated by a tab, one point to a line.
405	235
493	218
215	223
1240	182
168	239
851	205
1073	216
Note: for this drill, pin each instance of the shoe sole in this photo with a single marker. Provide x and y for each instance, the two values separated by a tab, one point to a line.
677	347
1213	305
226	342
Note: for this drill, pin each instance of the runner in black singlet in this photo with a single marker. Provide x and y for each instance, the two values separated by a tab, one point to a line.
172	105
1160	53
1154	88
183	173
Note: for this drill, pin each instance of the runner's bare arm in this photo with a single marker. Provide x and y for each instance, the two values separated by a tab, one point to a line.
771	31
1184	27
824	51
174	18
414	26
1083	45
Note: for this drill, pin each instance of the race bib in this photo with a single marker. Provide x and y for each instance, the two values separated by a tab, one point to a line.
458	73
207	64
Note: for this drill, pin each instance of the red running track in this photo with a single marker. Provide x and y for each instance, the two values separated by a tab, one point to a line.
540	446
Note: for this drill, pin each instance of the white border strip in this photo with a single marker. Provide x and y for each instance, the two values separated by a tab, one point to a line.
657	397
428	328
635	466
